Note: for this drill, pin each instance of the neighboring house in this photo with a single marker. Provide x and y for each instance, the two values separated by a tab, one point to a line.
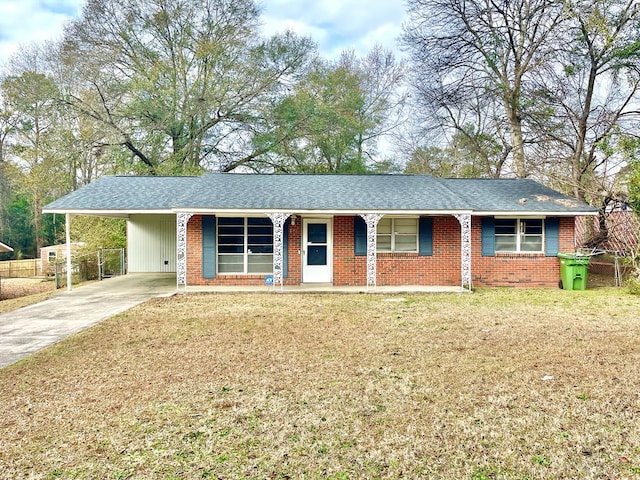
5	248
620	236
362	230
52	254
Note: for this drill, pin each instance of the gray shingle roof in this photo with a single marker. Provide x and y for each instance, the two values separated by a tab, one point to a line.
125	193
317	192
324	192
513	195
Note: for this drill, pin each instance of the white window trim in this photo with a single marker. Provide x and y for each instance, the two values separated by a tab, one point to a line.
519	235
393	235
245	254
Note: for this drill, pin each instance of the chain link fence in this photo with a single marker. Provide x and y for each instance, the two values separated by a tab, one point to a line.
84	267
104	263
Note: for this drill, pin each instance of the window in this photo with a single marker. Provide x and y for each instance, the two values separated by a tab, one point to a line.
519	235
397	235
52	256
245	245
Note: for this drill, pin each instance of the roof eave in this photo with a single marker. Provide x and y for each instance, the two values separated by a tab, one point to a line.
535	213
106	212
263	211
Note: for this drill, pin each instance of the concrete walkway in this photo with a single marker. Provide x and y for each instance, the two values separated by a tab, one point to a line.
324	288
29	329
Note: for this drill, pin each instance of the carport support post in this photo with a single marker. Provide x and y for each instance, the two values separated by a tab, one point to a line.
67	228
181	246
465	247
371	219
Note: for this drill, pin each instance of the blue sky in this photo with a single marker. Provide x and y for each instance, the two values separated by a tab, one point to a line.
334	24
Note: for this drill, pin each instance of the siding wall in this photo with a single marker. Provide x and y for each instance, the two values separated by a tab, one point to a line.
440	268
151	243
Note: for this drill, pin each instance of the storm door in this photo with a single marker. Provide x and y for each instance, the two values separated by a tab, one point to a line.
317	251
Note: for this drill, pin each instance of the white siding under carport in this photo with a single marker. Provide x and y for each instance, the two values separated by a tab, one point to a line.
151	243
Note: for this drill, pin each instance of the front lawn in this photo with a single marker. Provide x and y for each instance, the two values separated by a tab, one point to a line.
499	384
20	292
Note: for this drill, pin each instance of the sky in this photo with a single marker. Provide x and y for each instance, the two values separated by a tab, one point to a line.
335	25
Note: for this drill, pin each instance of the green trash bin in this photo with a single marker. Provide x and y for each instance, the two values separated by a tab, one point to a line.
573	271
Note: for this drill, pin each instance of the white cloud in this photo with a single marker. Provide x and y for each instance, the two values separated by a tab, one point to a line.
337	25
25	21
273	25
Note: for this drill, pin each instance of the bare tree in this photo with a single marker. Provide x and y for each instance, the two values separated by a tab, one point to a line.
584	101
471	63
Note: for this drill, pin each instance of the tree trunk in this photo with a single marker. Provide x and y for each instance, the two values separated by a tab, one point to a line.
517	139
37	225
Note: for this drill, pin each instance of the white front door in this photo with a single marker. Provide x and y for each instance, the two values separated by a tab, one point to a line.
317	250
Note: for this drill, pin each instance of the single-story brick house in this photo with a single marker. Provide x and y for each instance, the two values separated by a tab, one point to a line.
361	230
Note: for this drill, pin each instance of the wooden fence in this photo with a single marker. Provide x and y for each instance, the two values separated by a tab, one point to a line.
21	268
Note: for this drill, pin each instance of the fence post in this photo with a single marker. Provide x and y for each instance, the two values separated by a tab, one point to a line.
57	268
99	264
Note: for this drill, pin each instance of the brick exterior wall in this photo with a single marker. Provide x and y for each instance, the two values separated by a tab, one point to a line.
441	268
524	270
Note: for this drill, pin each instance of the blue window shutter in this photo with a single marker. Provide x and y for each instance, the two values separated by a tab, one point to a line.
285	248
208	247
488	237
552	236
425	236
360	235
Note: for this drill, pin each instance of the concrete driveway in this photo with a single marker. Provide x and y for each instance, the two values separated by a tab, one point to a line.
29	329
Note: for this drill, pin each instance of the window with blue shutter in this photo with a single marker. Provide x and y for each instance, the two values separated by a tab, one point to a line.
425	236
552	236
209	247
488	237
360	235
401	234
285	248
519	235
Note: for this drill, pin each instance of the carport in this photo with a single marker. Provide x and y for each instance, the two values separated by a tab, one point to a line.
147	208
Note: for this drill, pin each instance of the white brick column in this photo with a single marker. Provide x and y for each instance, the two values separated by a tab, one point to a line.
181	247
371	219
465	249
278	219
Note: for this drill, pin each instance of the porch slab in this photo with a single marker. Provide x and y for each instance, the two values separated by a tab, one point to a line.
324	288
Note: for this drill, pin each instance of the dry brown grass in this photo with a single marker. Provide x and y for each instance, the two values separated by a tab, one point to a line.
499	384
20	292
